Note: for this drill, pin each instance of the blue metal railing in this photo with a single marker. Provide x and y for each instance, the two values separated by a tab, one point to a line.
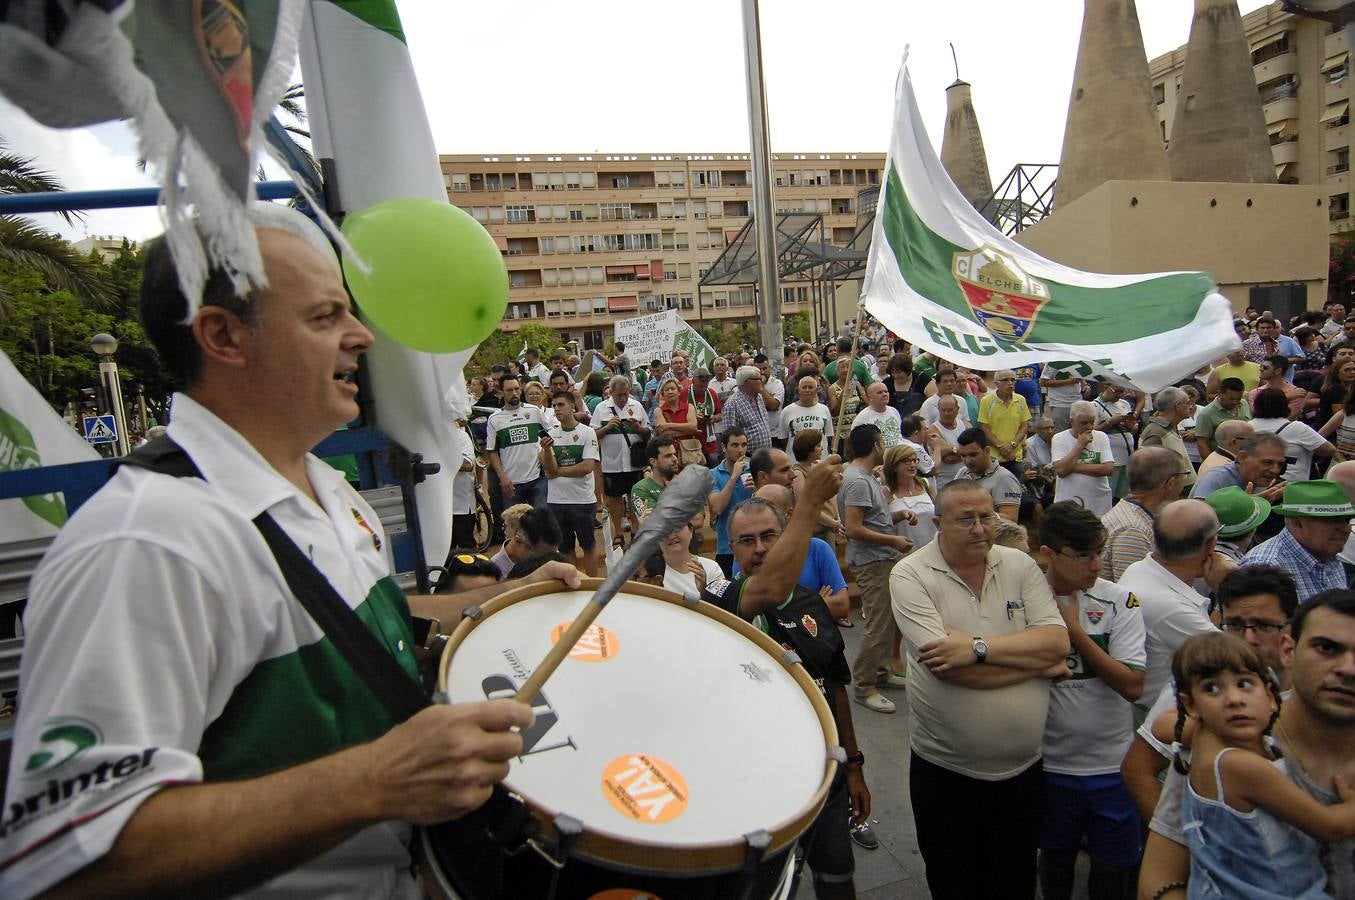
67	201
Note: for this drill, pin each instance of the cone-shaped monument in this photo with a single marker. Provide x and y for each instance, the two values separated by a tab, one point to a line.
962	152
1219	133
1112	131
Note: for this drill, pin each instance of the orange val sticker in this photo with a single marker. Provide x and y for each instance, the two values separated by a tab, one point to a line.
644	788
598	644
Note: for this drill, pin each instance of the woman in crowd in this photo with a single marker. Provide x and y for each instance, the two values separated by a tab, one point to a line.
912	503
846	398
907	389
1270	414
807	447
1335	388
535	394
1186	427
594	390
684	572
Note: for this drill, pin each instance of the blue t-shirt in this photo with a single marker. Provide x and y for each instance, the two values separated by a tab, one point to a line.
1029	387
739	494
820	568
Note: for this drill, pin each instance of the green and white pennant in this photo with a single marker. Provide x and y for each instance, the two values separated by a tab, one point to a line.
943	278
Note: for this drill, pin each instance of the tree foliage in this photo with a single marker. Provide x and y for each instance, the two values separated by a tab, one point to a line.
1341	270
502	346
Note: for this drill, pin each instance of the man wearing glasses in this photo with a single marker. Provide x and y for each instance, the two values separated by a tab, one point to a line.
747	408
983	637
771	553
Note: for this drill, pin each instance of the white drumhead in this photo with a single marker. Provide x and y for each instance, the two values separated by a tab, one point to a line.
668	726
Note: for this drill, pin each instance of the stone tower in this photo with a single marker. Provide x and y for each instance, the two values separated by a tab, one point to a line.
962	152
1219	133
1112	131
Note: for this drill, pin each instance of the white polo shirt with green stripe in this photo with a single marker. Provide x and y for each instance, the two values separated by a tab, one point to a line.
164	647
1090	726
515	434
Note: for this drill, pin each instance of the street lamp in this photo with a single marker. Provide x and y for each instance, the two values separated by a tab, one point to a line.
104	346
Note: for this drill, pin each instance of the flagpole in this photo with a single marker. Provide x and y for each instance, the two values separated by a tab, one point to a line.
851	362
769	297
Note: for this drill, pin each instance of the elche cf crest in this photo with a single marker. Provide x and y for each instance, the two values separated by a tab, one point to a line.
1003	298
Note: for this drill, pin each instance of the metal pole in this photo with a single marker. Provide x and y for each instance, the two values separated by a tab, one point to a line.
108	373
769	295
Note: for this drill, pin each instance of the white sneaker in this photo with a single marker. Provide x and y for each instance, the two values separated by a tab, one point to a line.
876	701
893	680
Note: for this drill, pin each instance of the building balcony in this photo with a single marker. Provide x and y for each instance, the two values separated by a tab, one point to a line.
1286	152
1335	92
1334	44
1286	63
1336	138
1280	108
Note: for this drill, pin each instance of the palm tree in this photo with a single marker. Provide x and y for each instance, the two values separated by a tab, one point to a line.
25	243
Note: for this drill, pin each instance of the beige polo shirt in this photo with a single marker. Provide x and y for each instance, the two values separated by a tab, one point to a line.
986	734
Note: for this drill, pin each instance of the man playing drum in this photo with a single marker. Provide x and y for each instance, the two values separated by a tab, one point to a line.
186	727
770	553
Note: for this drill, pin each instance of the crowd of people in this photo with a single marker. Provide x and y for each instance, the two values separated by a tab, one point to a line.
1120	623
1061	574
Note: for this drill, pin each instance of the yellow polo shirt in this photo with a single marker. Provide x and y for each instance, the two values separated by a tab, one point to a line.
1249	373
1004	420
991	735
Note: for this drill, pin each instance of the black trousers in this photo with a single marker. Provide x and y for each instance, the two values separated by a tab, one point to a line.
978	838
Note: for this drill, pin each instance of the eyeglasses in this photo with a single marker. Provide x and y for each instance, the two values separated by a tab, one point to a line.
987	521
750	541
1241	626
1084	558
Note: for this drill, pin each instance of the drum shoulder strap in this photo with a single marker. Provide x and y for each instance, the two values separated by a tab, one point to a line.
369	660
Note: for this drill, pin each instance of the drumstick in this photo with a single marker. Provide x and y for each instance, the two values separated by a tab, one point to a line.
681	499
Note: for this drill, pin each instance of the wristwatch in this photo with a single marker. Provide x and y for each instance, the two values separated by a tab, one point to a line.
980	649
856	759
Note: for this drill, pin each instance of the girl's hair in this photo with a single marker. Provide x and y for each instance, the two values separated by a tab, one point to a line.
1009	534
594	384
1204	656
894	457
804	443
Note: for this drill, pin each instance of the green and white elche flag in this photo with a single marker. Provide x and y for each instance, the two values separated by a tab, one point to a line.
366	114
32	435
942	277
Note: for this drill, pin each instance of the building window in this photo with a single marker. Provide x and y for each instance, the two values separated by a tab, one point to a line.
540	181
477	181
1278	88
576	214
510	181
1277	47
589	180
1342	162
572	181
679	209
520	214
562	243
492	182
480	214
460	182
682	240
546	245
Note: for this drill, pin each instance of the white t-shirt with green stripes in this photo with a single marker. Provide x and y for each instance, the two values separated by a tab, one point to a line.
516	434
1090	726
573	447
164	647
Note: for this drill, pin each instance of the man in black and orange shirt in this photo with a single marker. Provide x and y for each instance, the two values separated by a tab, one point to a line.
770	553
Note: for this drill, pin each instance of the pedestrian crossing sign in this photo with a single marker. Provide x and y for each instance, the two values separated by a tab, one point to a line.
100	429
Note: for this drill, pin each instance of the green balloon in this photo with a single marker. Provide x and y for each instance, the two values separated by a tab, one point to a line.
437	281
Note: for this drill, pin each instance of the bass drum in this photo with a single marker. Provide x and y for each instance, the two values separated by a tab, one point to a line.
677	753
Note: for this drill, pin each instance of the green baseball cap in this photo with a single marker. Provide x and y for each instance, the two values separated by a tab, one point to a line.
1239	512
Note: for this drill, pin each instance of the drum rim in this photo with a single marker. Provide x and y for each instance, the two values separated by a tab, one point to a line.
636	854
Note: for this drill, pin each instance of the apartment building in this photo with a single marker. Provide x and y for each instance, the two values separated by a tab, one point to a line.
593	238
1301	67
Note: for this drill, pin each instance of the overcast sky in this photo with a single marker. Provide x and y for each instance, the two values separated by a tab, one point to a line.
536	76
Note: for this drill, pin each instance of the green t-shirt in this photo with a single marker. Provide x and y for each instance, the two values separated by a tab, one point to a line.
645	496
858	367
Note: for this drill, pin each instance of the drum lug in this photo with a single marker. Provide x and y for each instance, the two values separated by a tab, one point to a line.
838	755
790	658
474	613
755	848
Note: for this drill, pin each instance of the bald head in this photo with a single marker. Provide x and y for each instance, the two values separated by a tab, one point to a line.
1230	433
782	496
1344	475
1184	529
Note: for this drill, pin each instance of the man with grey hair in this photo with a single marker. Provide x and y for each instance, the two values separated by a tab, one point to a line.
1227	436
1155	476
1184	535
1342	473
1171	407
1317	516
821	573
747	409
619	422
1083	461
1260	459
